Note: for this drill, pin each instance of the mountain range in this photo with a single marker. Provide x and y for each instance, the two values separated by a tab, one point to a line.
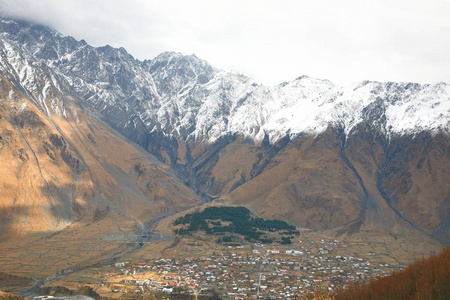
91	135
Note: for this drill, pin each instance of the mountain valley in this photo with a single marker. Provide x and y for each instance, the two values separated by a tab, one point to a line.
101	152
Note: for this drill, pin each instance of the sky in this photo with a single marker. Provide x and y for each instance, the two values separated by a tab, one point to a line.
344	41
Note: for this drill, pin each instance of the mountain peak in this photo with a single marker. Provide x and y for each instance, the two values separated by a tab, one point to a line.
167	55
183	94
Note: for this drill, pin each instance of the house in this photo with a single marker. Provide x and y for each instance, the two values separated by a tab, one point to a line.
323	251
294	252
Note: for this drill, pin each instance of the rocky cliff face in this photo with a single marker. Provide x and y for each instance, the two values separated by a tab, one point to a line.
372	155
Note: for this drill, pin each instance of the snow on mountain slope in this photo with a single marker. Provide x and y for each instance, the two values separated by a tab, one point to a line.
184	96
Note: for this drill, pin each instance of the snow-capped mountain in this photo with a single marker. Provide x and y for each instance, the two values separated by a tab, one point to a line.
184	96
369	155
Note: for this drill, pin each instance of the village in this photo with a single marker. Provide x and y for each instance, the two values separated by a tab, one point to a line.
245	272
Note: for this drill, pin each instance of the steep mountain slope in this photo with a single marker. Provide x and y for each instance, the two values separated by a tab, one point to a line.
370	156
74	166
73	191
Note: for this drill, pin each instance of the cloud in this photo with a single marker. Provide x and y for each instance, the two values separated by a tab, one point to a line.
273	41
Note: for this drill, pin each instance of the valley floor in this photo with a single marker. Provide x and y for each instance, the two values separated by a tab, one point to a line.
122	265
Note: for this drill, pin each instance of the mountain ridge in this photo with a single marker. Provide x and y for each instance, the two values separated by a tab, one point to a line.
341	158
185	96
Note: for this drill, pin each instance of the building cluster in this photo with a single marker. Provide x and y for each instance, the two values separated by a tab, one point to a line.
263	271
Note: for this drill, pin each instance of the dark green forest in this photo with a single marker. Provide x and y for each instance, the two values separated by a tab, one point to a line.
233	220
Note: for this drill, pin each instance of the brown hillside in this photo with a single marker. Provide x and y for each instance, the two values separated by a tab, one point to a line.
424	279
73	191
9	296
306	184
397	186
